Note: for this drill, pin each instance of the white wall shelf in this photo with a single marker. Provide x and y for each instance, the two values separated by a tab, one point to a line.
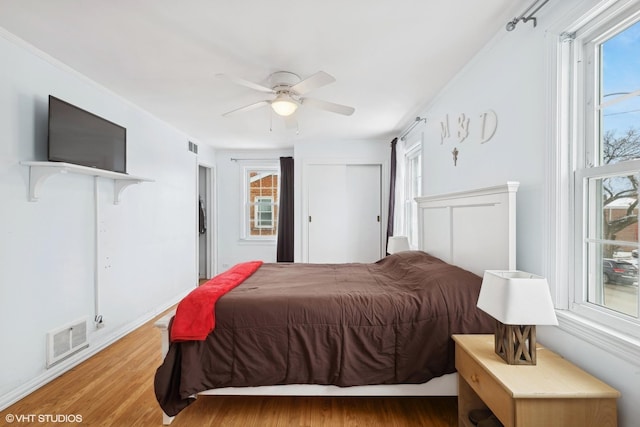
40	171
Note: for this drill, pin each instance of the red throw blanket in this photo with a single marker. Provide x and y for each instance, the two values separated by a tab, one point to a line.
195	317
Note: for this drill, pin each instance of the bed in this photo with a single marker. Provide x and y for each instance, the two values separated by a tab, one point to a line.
352	329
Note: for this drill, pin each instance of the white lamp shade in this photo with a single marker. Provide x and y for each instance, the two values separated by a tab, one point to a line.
517	298
398	244
284	105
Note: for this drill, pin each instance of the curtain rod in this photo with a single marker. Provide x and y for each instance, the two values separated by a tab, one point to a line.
413	125
255	160
511	25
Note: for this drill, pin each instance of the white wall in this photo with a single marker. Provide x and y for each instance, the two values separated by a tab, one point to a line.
511	76
507	78
147	243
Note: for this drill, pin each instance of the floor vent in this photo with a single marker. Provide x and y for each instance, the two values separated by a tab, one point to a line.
66	341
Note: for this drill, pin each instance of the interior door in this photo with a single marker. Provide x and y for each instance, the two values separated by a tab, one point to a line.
344	223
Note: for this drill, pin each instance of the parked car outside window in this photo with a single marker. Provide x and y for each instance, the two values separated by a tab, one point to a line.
619	272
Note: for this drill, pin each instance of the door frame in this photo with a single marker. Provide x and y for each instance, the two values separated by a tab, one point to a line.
210	220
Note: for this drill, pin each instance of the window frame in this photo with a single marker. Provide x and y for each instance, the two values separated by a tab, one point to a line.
247	223
412	152
258	222
572	120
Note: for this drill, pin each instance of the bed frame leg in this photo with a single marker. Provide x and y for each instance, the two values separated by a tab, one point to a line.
166	419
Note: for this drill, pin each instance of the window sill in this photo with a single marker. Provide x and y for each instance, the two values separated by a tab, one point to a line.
614	342
258	242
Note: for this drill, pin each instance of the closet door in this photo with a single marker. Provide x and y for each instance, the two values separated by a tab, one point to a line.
344	213
327	205
363	213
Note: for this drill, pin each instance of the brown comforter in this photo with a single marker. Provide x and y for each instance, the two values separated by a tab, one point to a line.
343	324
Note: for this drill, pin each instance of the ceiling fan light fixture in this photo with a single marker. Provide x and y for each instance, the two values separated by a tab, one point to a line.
284	105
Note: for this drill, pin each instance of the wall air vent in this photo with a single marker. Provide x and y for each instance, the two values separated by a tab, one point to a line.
66	341
193	147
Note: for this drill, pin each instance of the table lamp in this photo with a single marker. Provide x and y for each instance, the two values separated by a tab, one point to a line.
518	301
398	244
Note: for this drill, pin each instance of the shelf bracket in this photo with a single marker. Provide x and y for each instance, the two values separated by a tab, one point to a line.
119	186
37	176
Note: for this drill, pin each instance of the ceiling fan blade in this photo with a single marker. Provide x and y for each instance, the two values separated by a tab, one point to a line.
317	80
245	83
247	107
328	106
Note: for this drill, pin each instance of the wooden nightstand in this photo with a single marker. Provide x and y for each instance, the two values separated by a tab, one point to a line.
552	393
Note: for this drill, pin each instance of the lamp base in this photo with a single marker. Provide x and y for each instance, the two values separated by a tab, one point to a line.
516	344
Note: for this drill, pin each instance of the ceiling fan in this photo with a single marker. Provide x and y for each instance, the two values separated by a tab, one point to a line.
289	91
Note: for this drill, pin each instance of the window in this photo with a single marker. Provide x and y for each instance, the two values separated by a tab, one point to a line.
264	212
261	203
412	189
602	69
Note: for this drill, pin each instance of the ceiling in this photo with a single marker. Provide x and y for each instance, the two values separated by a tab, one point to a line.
389	57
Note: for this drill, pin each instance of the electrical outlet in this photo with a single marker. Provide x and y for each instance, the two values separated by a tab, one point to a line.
99	321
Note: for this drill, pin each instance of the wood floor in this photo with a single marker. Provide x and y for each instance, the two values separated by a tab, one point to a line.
115	388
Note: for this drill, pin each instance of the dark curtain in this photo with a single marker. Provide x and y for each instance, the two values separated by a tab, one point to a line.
285	215
392	192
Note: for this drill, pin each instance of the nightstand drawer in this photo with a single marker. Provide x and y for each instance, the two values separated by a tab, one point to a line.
486	387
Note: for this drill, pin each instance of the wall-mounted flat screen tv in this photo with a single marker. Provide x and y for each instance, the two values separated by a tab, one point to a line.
82	138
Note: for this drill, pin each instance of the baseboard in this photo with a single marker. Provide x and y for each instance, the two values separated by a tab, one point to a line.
95	347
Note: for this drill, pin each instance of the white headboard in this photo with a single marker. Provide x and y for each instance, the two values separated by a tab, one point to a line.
475	229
